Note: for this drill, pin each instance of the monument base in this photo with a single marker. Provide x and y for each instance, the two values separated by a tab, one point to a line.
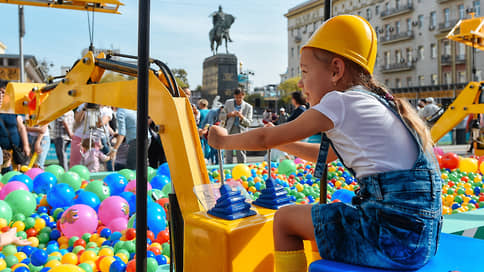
219	77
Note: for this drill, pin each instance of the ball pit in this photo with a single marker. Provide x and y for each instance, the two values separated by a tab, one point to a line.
92	227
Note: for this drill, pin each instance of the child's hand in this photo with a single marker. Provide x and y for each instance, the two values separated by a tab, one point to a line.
10	237
38	148
216	135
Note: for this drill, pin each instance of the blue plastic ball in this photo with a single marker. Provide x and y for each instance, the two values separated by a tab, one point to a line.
25	180
116	183
88	198
161	259
117	266
22	269
159	181
60	196
42	209
39	257
131	199
343	195
106	232
44	182
115	236
164	170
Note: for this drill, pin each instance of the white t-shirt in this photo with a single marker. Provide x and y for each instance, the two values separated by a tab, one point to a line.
82	129
367	135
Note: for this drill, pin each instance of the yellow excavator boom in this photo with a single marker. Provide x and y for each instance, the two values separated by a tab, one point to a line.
106	6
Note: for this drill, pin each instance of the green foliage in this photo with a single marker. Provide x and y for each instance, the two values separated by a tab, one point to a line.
181	77
287	87
253	97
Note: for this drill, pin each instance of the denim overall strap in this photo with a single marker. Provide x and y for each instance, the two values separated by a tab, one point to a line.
321	167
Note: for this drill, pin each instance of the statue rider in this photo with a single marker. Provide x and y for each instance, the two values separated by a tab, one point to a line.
218	20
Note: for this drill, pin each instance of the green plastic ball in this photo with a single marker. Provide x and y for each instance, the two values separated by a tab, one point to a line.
22	202
72	179
82	171
55	169
11	260
86	267
9	175
99	188
5	211
128	174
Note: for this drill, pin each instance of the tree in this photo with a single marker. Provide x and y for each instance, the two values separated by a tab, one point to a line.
287	87
181	77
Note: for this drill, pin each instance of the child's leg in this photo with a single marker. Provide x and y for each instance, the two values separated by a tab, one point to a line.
292	225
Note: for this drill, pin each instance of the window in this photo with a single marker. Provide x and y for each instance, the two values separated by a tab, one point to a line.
387	31
387	58
409	81
447	78
433	51
446	16
462	12
409	55
292	72
397	4
387	7
387	82
398	83
397	27
433	19
433	79
477	7
409	24
421	80
461	49
377	10
420	21
368	14
398	56
478	75
421	52
446	47
292	51
461	77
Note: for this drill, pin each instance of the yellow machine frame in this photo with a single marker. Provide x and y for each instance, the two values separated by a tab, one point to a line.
106	6
210	244
471	33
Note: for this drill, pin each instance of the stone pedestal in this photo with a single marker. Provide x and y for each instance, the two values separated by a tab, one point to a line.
219	76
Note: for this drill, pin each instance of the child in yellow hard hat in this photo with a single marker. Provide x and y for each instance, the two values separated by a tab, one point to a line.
394	220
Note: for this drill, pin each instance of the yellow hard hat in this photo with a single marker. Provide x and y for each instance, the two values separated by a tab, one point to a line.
350	36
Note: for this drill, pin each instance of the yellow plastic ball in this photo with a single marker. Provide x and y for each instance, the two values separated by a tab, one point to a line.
39	224
100	241
20	256
52	263
477	178
106	252
123	257
88	255
105	263
240	170
469	191
3	264
468	165
69	258
33	241
94	237
56	254
444	176
299	187
449	199
66	268
19	225
3	223
15	266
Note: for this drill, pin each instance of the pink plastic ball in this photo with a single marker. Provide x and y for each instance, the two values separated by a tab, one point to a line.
112	208
118	224
131	187
33	172
439	151
12	186
78	220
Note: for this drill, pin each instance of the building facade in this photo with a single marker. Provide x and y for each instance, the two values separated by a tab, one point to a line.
415	59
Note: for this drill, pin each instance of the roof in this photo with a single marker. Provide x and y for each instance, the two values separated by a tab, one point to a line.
300	7
16	56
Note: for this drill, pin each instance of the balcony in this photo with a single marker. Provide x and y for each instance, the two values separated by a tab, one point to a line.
402	36
447	26
398	67
397	11
447	59
443	1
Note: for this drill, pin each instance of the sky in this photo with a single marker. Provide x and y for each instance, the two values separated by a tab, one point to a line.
179	34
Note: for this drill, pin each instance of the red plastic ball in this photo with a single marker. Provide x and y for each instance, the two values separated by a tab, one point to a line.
31	232
450	160
163	236
131	266
150	235
130	234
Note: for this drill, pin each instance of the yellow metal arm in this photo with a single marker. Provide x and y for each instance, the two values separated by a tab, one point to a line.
466	103
107	6
178	132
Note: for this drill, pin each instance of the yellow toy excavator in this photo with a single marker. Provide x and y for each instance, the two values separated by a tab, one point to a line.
107	6
471	100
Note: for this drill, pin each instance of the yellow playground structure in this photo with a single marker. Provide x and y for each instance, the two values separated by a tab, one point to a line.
107	6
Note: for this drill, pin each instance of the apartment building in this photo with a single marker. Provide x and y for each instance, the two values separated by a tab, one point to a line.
415	59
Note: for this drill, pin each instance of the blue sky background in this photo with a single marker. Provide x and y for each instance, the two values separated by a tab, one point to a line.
179	34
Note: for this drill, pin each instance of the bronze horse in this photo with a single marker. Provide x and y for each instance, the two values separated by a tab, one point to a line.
220	32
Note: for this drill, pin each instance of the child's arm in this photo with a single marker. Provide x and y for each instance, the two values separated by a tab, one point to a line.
10	237
103	157
306	151
309	123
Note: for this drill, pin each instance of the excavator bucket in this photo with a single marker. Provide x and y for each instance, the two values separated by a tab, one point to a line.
469	32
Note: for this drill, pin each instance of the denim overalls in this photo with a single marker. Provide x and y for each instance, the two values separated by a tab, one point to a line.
394	220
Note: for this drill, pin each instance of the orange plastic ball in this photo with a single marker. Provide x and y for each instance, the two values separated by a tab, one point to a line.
88	255
106	263
69	258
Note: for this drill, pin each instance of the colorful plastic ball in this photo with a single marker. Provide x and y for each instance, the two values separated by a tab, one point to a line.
159	181
151	265
5	211
88	255
44	182
86	267
9	175
131	199
164	169
118	224
34	172
156	217
468	165
81	170
39	257
61	196
117	266
88	198
25	180
240	170
105	263
131	267
55	169
22	202
3	264
11	260
113	207
72	179
450	160
66	268
116	183
12	186
343	195
161	259
131	187
286	167
100	188
128	174
77	220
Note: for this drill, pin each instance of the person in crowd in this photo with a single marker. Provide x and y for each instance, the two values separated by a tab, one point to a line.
126	131
239	117
394	221
91	155
12	132
39	140
203	109
283	116
62	137
299	103
266	116
196	113
430	109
